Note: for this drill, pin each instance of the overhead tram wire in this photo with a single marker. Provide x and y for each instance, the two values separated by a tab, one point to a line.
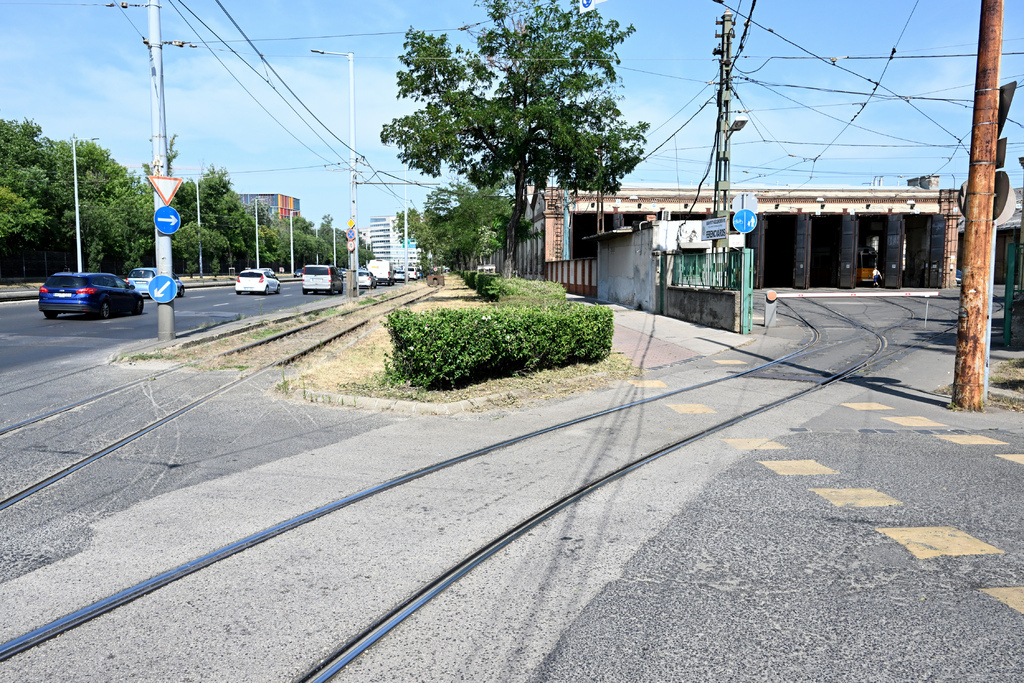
285	128
834	63
337	156
878	84
293	94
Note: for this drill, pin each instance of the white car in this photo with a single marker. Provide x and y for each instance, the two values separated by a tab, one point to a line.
261	281
322	279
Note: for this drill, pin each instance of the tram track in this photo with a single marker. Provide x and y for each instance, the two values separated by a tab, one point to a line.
132	593
285	356
183	366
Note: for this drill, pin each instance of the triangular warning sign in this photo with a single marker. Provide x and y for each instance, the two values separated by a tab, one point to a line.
165	187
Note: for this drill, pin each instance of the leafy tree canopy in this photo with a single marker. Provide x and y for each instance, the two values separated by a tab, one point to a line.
534	101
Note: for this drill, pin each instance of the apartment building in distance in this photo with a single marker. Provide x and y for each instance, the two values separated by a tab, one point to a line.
387	243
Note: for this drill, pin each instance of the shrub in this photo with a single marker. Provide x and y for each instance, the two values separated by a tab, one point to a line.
469	277
448	348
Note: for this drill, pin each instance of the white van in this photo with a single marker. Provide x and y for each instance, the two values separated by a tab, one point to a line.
382	270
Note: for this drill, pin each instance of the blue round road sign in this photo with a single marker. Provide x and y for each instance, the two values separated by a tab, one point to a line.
166	220
745	220
162	289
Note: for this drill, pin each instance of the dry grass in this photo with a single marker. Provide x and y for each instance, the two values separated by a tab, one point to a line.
1007	376
359	369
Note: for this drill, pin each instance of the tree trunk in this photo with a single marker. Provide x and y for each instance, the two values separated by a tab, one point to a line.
508	270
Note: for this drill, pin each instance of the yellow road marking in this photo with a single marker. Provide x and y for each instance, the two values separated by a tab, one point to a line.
731	362
648	383
751	444
867	406
972	440
788	467
934	541
1010	595
690	408
914	421
1015	457
858	498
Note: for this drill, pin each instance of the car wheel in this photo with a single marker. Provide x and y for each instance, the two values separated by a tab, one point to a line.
138	308
104	310
266	290
181	292
238	292
305	291
50	314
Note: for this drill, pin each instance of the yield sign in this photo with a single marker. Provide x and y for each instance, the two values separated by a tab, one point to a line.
165	187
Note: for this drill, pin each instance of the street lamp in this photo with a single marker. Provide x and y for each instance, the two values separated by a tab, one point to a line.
738	123
78	222
353	262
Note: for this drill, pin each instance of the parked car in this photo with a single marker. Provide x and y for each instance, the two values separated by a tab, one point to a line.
366	279
413	274
140	277
263	281
322	279
101	294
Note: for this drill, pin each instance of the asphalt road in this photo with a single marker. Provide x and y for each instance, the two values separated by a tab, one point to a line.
29	338
708	564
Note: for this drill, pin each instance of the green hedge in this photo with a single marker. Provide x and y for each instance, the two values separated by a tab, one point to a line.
448	348
514	291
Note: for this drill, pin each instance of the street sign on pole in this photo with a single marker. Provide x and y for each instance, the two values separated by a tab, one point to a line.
744	200
744	221
162	289
351	234
351	245
165	187
166	220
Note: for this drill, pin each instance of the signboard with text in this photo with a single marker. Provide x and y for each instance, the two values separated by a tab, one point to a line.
714	229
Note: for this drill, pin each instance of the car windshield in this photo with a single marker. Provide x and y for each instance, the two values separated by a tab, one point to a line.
315	270
142	273
250	273
66	281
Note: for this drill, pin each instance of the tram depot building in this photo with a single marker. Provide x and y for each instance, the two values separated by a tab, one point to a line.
806	237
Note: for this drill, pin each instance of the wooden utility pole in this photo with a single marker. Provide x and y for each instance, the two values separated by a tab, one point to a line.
972	332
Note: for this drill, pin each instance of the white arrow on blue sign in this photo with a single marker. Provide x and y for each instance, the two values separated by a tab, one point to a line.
166	220
162	289
744	220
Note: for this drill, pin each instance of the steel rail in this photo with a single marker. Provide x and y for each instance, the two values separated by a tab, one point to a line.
346	653
112	602
180	366
52	479
106	605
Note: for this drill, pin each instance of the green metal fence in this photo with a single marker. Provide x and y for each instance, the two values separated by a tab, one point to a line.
719	270
716	270
1014	280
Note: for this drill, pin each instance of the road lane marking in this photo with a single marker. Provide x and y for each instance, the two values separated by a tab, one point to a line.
690	408
1015	457
1008	595
857	498
935	541
224	304
796	467
972	440
731	362
648	383
755	444
914	421
201	296
867	406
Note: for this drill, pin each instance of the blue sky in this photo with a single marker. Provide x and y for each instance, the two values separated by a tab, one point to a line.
82	68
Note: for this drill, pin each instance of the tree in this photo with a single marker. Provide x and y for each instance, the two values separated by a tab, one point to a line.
534	101
460	223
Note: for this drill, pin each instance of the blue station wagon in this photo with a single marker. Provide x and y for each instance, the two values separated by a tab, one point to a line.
101	294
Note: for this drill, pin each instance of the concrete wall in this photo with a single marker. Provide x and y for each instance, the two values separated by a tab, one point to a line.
626	270
718	308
